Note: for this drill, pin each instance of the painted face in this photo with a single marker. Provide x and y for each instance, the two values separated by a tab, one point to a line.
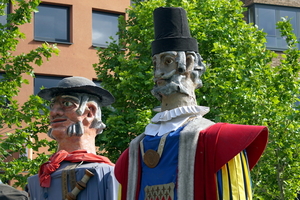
63	114
165	66
172	72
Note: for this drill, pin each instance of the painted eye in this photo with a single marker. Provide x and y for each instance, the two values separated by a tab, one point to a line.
67	103
169	61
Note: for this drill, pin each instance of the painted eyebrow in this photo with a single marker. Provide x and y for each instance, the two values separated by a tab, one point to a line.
164	54
69	97
168	53
65	97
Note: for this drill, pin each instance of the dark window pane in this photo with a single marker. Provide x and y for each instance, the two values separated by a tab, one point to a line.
267	20
251	15
290	14
104	25
49	82
51	23
3	18
271	41
45	81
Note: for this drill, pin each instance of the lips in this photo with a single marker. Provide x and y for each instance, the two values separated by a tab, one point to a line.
58	120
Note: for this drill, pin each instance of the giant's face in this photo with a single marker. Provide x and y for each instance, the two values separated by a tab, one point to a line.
172	73
165	66
64	119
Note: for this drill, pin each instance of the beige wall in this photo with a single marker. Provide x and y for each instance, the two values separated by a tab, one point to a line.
74	59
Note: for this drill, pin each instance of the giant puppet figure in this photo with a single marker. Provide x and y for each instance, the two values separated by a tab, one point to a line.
75	171
181	155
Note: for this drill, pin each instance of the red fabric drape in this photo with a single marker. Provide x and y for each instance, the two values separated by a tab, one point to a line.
53	164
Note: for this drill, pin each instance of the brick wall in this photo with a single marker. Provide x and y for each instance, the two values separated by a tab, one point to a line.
292	3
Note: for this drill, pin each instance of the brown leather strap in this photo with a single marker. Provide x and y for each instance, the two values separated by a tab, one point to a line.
72	177
68	176
64	184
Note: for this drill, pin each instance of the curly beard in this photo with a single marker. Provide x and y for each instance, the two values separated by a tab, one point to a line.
177	83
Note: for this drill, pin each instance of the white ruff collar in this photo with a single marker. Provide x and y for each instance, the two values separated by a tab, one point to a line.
169	120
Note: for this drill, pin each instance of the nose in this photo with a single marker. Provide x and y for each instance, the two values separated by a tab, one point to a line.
56	110
158	73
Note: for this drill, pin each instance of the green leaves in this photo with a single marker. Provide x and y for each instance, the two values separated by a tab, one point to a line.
20	123
243	84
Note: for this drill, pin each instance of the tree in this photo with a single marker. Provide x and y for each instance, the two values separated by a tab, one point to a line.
240	86
20	124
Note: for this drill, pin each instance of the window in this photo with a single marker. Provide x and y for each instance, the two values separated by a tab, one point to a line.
104	25
45	81
266	17
52	23
48	82
3	18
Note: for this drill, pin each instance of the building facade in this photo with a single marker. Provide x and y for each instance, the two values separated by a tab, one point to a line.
266	13
77	27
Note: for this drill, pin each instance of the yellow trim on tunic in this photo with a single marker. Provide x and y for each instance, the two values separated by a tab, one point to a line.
236	181
119	192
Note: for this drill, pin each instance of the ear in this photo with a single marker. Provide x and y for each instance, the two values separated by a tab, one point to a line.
91	110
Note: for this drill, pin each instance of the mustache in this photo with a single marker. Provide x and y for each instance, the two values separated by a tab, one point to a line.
165	76
76	129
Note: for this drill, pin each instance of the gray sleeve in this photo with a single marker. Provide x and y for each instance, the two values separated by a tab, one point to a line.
102	185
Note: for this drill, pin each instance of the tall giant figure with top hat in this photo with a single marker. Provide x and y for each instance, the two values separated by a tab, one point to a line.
181	155
75	171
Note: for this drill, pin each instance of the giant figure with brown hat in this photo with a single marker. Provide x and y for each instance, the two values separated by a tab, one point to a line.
181	155
75	171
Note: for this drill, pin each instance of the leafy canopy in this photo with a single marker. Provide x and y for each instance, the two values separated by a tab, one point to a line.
20	123
241	85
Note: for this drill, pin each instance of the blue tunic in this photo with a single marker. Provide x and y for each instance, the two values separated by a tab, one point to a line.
166	170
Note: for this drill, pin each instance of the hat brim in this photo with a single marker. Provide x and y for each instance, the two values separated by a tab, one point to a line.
105	97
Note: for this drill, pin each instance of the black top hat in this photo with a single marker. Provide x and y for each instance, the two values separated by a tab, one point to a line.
80	85
172	32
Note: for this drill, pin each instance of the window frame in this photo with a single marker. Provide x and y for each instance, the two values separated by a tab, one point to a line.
253	17
7	12
68	25
37	87
116	37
